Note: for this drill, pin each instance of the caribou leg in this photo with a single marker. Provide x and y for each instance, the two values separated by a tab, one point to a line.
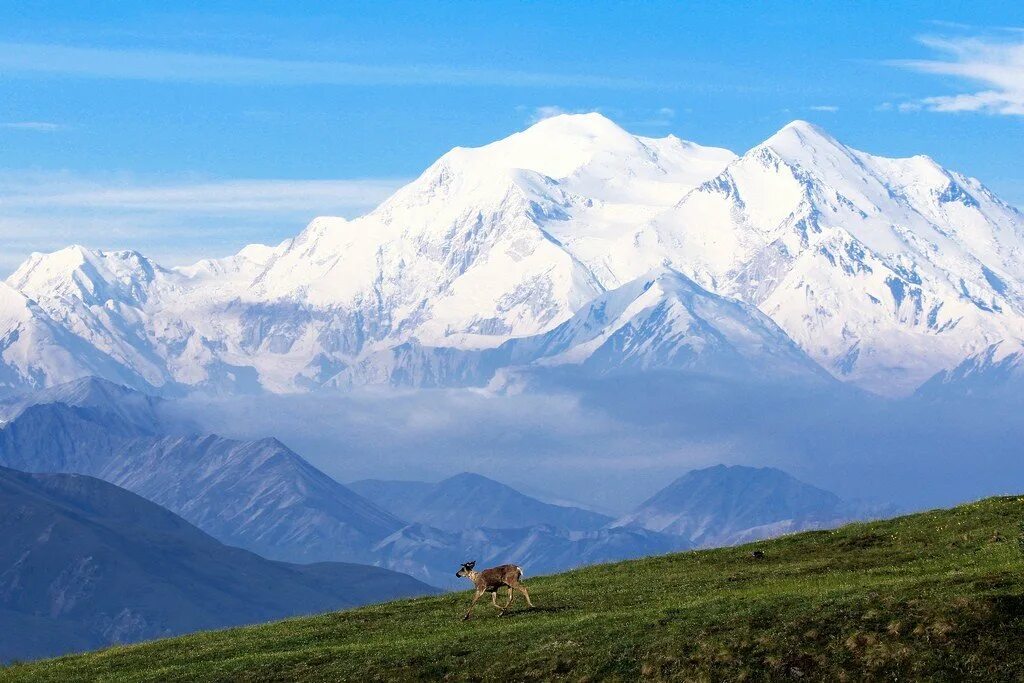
476	598
522	589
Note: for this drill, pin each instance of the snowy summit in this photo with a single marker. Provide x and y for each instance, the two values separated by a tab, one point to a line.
571	243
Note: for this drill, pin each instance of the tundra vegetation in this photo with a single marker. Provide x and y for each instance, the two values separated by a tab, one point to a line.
937	595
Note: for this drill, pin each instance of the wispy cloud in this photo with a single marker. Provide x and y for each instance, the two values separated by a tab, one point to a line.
634	118
233	196
661	117
165	65
994	63
830	108
36	126
175	222
547	111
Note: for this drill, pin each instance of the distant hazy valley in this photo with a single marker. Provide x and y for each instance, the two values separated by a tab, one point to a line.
261	496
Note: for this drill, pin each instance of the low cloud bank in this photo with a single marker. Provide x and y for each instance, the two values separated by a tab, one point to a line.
608	445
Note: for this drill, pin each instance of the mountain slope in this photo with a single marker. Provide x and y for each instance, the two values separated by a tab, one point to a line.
995	372
431	554
660	321
135	408
36	351
84	564
883	270
666	321
462	257
934	596
257	494
263	497
469	501
721	505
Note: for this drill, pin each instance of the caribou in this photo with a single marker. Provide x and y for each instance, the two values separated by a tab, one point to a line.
490	580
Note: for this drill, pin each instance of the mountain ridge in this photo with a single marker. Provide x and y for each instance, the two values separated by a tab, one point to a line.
262	496
728	504
88	564
468	500
258	494
884	271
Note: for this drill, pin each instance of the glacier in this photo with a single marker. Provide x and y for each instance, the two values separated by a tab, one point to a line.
571	244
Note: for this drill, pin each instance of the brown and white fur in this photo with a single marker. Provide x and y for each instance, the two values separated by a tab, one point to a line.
490	580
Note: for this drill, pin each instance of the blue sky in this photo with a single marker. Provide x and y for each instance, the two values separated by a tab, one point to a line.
194	129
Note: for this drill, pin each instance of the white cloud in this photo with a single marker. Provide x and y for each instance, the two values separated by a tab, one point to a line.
166	65
546	112
232	196
658	118
830	108
630	119
549	110
995	64
176	222
37	126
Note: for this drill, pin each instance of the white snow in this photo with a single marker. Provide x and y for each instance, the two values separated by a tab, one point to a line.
884	271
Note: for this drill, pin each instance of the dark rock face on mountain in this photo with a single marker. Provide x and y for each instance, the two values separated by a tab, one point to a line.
469	501
84	564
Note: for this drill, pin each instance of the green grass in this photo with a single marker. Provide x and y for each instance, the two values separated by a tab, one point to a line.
937	596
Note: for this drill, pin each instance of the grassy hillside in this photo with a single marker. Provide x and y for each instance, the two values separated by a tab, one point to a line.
938	595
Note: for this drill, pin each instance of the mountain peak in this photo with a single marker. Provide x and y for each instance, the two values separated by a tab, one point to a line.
589	123
734	477
724	504
559	145
464	479
800	125
94	393
89	274
805	129
472	501
799	140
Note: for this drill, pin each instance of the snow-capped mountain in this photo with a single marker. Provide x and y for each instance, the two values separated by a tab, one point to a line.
37	351
995	372
883	271
664	320
661	321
